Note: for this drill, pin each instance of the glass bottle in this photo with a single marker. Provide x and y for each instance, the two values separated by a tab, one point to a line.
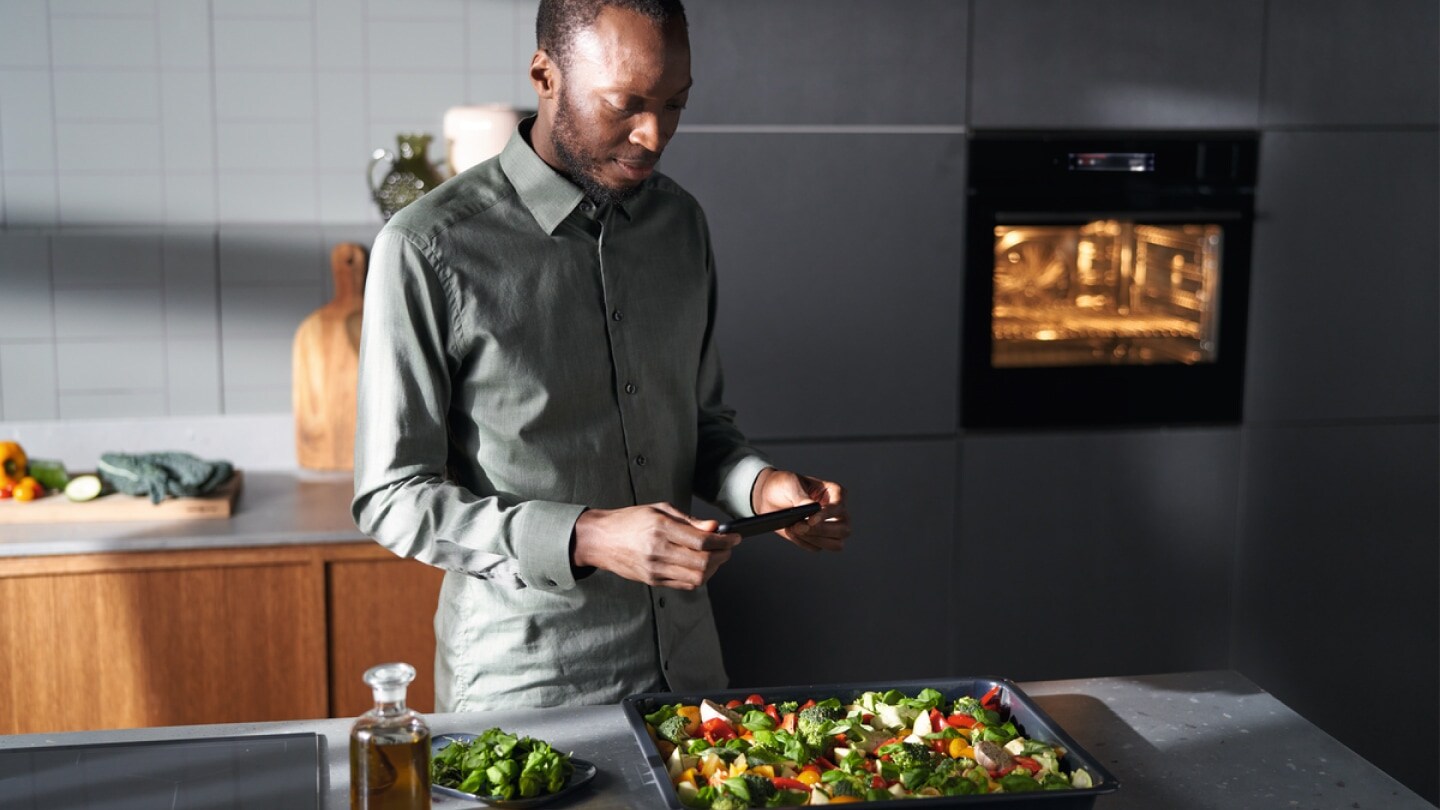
390	747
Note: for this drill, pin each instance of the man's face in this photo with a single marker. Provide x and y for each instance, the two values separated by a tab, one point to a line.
619	102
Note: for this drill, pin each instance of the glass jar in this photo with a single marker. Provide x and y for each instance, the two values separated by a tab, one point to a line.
390	747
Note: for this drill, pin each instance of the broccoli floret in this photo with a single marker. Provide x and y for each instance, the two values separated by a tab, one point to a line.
761	789
914	755
787	707
673	729
811	723
728	801
845	787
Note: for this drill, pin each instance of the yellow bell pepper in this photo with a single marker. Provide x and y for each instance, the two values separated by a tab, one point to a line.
13	464
960	748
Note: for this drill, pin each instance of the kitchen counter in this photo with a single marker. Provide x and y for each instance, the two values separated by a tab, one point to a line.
274	508
1188	740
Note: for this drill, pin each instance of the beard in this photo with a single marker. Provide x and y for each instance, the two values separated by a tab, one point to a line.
581	167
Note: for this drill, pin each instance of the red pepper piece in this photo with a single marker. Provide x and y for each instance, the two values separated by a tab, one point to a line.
1028	763
774	715
788	722
991	700
754	700
960	721
786	783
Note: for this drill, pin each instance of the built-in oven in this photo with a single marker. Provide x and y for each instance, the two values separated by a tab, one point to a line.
1106	278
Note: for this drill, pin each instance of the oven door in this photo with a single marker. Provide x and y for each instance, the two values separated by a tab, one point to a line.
1104	299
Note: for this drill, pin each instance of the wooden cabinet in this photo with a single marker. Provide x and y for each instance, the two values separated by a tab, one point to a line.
207	636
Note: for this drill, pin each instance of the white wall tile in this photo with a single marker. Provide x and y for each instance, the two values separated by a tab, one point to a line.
272	255
27	121
102	8
345	199
27	380
241	43
110	405
415	96
111	365
110	146
106	258
188	121
190	199
495	88
109	312
119	42
264	95
100	95
265	312
246	401
492	45
31	200
419	9
339	34
192	311
26	309
258	362
299	9
340	119
24	34
183	27
268	146
415	45
111	199
268	197
193	375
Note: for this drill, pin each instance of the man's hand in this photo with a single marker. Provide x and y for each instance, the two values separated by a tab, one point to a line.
656	544
825	530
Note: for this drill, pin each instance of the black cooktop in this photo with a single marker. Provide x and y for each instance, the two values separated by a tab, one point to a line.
264	772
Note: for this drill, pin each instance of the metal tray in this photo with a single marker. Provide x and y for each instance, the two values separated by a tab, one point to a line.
1032	722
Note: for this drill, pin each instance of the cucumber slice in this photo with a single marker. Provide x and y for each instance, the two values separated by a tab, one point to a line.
84	488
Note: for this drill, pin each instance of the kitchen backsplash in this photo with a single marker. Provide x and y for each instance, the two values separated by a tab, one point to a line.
188	112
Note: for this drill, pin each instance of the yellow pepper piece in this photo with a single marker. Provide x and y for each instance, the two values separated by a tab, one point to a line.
767	771
845	800
688	775
809	776
692	719
959	748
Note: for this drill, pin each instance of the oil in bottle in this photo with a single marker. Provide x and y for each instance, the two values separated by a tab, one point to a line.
390	747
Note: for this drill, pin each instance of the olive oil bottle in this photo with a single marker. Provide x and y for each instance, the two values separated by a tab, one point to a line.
390	747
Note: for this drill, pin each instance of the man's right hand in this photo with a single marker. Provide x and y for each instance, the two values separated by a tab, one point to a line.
656	544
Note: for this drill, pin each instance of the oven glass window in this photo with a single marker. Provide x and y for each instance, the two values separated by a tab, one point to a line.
1107	292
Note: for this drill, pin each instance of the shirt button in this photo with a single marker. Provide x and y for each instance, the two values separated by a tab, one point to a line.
662	601
640	460
618	315
629	388
666	665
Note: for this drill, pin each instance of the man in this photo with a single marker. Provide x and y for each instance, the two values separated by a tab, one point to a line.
540	393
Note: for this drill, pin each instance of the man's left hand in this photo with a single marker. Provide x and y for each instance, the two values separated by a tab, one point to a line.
825	530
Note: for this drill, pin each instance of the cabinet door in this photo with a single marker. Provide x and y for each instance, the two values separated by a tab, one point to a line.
381	610
222	643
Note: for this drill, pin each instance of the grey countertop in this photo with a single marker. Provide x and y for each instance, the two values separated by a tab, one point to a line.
1180	741
274	508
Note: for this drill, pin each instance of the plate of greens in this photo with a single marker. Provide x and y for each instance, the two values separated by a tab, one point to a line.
503	769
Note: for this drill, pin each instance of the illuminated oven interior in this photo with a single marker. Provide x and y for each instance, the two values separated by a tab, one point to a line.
1106	292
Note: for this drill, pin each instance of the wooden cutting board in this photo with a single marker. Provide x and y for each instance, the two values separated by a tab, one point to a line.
119	507
325	366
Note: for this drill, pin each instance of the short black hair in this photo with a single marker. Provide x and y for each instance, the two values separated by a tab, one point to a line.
558	21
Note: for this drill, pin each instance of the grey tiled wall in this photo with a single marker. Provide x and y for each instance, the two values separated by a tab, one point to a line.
186	112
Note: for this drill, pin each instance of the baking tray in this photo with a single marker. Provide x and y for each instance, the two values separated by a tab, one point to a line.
1033	723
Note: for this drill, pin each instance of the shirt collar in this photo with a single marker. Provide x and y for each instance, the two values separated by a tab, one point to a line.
546	193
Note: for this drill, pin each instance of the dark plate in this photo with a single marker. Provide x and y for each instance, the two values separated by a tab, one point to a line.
584	772
1033	722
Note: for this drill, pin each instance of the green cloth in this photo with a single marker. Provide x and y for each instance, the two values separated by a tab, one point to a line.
162	475
523	358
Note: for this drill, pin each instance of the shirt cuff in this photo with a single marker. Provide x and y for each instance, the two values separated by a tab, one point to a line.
735	490
542	531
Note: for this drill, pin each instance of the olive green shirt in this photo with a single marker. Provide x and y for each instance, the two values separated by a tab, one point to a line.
524	356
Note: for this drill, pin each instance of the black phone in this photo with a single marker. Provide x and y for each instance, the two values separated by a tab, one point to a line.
768	522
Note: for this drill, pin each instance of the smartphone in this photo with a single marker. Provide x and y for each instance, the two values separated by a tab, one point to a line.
768	522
